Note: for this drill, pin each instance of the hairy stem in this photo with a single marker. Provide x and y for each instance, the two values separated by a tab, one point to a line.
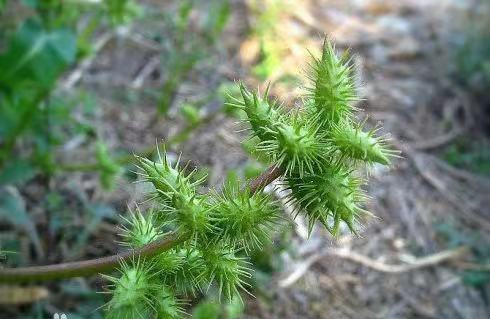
107	264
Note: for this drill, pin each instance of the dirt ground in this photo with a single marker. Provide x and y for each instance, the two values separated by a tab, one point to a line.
408	262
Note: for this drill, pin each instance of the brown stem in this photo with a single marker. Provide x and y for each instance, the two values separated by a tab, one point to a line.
106	264
264	179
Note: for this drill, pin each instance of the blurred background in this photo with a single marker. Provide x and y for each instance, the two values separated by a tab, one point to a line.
85	84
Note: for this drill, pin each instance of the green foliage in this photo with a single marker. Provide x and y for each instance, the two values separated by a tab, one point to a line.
109	169
319	148
265	28
217	18
122	11
36	54
190	113
472	49
188	44
13	210
213	309
454	236
36	57
468	154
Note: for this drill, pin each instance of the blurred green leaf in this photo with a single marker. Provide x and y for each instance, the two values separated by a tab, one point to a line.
109	169
217	17
234	309
122	11
232	177
468	154
253	169
211	309
17	172
250	146
190	113
206	310
476	278
36	56
13	210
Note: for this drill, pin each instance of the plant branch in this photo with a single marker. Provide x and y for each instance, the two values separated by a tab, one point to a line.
107	264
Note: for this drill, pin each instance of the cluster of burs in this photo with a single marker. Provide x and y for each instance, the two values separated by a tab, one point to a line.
319	148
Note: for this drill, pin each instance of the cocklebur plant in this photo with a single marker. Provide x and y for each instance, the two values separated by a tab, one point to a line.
318	148
189	242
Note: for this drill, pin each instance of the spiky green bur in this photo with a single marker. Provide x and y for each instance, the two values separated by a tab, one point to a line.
330	197
167	306
183	206
131	293
244	220
182	269
354	143
296	145
138	293
193	217
227	270
262	114
140	230
171	184
333	90
320	145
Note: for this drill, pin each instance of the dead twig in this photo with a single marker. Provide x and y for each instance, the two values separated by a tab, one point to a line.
147	69
85	64
348	254
438	141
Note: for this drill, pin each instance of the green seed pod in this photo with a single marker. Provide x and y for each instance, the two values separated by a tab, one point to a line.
354	143
181	268
170	182
262	114
296	145
140	230
193	216
243	219
330	197
186	276
170	261
167	306
226	269
132	292
333	88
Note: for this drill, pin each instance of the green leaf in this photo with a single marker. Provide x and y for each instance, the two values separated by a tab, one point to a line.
234	309
109	168
36	56
17	172
190	113
12	207
13	210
